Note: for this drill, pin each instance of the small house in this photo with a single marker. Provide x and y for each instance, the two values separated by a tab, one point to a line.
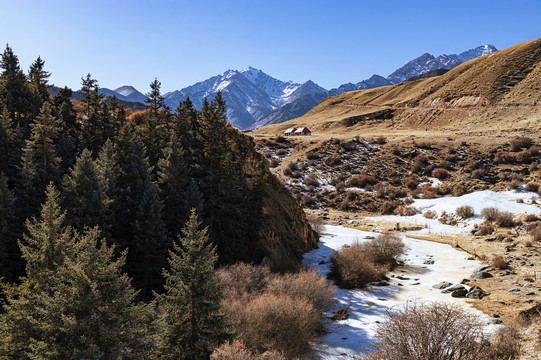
302	131
290	132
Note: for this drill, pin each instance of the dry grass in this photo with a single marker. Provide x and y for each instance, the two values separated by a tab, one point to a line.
499	262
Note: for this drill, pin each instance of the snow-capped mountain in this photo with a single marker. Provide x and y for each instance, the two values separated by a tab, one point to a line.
255	99
250	94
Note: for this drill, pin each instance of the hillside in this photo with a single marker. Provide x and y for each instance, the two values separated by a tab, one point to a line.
500	92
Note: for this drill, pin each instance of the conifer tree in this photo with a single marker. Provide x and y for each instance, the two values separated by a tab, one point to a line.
90	312
186	128
14	92
85	195
173	180
69	139
44	247
9	146
154	99
192	324
91	96
38	79
39	163
8	243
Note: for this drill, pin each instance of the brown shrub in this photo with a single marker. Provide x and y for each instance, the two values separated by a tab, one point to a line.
384	249
444	164
271	143
274	163
519	143
490	213
486	229
351	268
292	166
533	187
440	173
424	145
235	350
434	331
281	139
505	219
429	214
381	140
405	210
536	234
277	322
307	201
419	163
296	174
505	344
341	186
465	212
362	180
241	279
388	207
267	154
514	184
478	174
412	184
458	190
307	285
503	157
311	180
499	262
312	155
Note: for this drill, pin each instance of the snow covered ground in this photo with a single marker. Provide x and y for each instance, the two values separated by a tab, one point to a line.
504	201
367	307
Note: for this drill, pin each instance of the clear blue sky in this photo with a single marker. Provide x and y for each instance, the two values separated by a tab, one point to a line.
182	42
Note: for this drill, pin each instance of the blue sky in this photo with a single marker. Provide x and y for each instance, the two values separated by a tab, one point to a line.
182	42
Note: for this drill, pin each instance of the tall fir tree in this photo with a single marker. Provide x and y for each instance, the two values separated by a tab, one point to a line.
154	99
69	139
90	94
38	79
40	163
9	253
85	195
10	149
187	129
173	179
191	324
15	95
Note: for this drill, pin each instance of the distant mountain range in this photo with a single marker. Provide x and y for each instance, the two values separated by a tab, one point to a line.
255	99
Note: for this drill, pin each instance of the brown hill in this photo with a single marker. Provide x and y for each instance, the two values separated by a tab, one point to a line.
497	92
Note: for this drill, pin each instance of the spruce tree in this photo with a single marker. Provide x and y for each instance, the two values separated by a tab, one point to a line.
191	322
91	312
14	92
154	99
69	139
90	94
39	164
173	179
38	79
9	146
85	195
8	243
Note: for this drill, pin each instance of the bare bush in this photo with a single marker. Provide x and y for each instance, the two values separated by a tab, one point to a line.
490	213
241	279
505	219
278	322
360	264
519	143
405	210
435	331
429	214
499	262
388	207
459	190
505	344
440	173
465	212
478	174
533	187
307	201
274	163
381	140
362	180
412	184
341	186
311	180
281	152
419	163
486	229
308	285
235	350
514	184
444	164
312	155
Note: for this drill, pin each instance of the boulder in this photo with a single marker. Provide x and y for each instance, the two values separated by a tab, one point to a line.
480	268
442	285
476	294
459	293
453	288
482	275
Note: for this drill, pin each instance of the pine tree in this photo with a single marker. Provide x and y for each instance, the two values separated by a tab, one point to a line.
154	99
38	79
9	146
91	96
69	139
173	179
8	243
14	92
39	164
44	247
192	324
85	195
187	129
91	312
